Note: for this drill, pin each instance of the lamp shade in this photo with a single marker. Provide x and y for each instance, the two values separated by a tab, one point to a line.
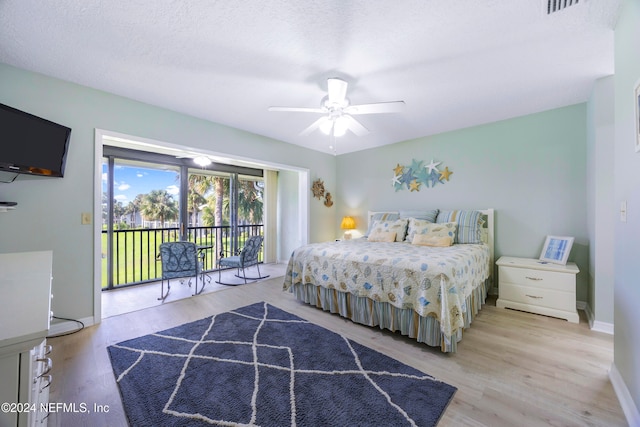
348	223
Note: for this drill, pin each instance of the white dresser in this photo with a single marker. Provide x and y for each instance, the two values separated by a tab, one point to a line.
538	287
25	314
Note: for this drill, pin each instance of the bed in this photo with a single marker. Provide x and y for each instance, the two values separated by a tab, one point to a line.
427	292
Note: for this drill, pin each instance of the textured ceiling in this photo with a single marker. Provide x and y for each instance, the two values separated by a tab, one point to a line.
455	63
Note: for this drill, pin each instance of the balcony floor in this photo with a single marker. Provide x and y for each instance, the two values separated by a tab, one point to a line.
133	298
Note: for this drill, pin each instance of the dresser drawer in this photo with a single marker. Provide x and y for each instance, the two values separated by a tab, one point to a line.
542	297
538	278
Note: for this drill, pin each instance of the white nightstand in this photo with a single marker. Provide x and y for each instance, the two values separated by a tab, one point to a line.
543	288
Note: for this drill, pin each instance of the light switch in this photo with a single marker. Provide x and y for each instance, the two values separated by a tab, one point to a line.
86	218
623	211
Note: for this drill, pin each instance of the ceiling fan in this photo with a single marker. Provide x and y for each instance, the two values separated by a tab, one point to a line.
338	112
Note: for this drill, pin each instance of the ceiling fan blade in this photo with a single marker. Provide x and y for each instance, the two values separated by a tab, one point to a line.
298	109
313	126
337	89
377	108
355	126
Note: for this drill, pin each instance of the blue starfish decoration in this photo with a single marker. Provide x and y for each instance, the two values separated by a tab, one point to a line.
423	177
434	177
407	177
416	165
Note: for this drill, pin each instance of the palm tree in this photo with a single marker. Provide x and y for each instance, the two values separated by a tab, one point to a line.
133	207
199	186
118	211
250	202
216	210
159	205
219	184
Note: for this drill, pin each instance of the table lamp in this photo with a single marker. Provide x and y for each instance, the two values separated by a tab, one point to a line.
348	223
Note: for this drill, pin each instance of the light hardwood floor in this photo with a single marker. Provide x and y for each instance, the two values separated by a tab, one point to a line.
132	298
511	369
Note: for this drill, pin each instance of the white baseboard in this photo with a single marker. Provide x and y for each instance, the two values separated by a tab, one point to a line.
624	397
607	328
66	326
594	325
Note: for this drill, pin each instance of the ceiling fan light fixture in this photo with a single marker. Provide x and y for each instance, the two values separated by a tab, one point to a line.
340	126
325	126
338	112
202	161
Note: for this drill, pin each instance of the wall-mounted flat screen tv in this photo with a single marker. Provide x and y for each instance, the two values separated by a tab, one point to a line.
31	144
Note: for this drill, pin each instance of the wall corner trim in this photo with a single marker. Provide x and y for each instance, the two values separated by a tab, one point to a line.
607	328
594	325
624	397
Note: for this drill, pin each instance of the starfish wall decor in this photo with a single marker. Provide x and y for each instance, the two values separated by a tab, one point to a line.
416	175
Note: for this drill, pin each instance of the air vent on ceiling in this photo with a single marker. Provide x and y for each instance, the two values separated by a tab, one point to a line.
558	5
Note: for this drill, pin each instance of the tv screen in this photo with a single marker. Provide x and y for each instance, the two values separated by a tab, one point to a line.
31	144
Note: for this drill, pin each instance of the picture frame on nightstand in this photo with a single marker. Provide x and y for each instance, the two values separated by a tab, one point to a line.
556	249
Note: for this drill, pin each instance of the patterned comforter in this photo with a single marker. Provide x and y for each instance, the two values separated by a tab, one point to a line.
433	281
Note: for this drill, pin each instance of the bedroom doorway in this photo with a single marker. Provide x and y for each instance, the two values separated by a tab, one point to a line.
285	198
150	198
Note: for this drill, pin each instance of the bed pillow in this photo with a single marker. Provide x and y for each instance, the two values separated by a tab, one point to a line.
432	240
469	224
430	215
430	229
417	226
382	236
399	226
380	216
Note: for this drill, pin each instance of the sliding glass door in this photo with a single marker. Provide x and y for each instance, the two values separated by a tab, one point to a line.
149	198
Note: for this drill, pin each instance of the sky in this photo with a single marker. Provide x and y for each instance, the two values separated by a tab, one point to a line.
133	180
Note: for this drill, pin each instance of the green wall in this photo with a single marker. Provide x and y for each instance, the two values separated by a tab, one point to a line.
600	199
627	185
531	170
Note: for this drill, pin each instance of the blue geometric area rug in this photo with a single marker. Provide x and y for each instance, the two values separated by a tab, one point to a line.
261	366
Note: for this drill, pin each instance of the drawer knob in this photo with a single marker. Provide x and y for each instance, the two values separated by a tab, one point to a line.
533	278
534	296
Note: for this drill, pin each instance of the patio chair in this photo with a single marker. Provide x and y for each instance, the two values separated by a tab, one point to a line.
180	260
247	257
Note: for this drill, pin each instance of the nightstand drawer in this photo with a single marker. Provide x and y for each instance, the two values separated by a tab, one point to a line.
538	296
538	278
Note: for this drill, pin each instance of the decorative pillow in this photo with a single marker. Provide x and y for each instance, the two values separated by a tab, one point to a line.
425	215
447	229
469	224
382	236
432	240
417	226
398	226
380	216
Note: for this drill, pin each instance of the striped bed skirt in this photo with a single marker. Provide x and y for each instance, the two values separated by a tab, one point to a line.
384	315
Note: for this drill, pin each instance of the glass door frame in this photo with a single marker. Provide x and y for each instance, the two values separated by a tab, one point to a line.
186	167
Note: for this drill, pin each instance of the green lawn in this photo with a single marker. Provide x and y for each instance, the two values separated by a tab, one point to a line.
136	255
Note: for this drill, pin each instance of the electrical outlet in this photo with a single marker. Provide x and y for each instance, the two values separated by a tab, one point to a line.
85	218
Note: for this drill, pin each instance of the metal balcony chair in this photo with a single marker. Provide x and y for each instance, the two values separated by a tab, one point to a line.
247	257
180	260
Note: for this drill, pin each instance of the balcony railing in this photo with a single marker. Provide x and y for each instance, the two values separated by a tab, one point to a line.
136	251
